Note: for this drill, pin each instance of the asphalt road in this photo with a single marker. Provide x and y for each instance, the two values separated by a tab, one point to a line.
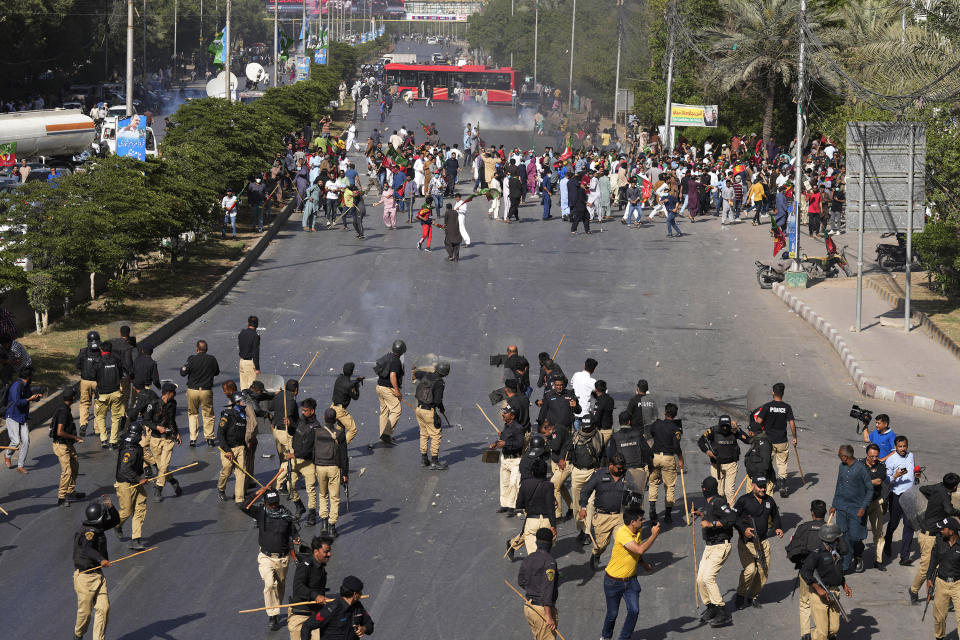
686	314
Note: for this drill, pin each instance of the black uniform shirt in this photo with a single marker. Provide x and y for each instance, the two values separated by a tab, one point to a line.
278	412
90	543
511	364
634	408
945	561
630	443
775	417
603	411
806	538
538	578
879	471
168	420
130	463
609	491
939	506
725	447
336	620
756	514
200	370
718	510
145	372
556	408
345	389
309	581
87	361
248	342
109	372
535	496
827	563
393	366
512	436
125	352
436	380
64	417
557	442
232	431
521	409
526	464
278	528
666	437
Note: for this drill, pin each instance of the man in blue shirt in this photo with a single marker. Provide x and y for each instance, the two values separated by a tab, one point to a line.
883	436
19	397
851	497
351	175
901	474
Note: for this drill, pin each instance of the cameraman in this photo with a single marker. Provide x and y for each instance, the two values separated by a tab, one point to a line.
883	436
346	389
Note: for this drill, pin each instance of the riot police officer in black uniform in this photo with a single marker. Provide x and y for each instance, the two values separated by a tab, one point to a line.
87	360
720	445
717	520
825	563
129	485
309	582
277	532
608	486
536	451
629	442
90	552
231	436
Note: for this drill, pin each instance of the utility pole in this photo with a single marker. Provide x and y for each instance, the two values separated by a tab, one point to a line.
511	20
616	82
176	7
143	65
797	159
276	38
129	58
668	129
573	28
536	34
226	54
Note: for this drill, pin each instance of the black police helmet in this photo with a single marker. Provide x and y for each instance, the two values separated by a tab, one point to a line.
399	347
94	514
93	337
537	441
443	368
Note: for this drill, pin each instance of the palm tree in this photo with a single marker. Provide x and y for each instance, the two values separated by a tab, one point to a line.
757	47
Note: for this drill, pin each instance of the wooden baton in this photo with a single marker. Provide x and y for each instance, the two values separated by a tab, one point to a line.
113	562
557	350
529	604
293	604
264	488
308	366
167	473
488	419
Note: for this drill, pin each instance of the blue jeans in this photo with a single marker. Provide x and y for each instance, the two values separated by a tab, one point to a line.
631	209
229	220
547	203
438	203
672	223
614	590
685	205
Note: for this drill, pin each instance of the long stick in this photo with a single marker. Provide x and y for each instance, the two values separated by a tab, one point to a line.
830	518
557	350
683	487
247	473
293	604
308	366
737	492
488	419
10	448
4	511
693	534
112	562
162	475
514	589
803	479
264	488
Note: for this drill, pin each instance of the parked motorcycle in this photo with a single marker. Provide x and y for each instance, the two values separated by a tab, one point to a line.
769	274
832	265
894	256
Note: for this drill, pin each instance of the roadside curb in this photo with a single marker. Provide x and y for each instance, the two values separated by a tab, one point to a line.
42	411
864	385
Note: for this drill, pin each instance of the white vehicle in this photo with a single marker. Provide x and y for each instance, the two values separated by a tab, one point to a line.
49	136
433	40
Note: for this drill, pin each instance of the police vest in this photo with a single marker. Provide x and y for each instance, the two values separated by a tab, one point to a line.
725	447
234	425
632	446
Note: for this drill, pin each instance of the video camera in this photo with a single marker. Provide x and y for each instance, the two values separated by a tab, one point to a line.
862	416
358	380
497	360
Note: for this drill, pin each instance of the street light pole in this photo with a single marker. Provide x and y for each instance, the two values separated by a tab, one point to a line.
129	57
176	7
668	129
276	38
536	33
511	20
226	54
798	163
616	84
143	65
573	28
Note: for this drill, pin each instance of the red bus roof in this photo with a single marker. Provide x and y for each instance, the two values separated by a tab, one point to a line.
467	68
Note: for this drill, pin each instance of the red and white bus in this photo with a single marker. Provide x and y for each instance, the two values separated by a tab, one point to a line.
440	79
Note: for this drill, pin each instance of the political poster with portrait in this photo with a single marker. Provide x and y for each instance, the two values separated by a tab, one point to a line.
132	137
693	115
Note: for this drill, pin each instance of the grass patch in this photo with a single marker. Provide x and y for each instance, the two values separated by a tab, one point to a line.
943	311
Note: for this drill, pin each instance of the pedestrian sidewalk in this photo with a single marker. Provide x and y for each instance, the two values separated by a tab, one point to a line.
884	361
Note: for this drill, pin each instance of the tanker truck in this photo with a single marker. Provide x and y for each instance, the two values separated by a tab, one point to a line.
53	137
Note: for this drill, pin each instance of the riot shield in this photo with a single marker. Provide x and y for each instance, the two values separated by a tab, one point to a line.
757	396
426	362
914	505
272	382
654	403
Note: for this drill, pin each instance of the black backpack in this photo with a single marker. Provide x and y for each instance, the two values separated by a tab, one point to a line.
303	438
380	367
757	460
425	388
88	364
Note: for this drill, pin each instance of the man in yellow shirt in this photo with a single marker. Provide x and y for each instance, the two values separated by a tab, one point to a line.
620	575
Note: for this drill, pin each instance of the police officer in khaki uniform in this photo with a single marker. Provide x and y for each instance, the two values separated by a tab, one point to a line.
667	458
90	552
309	583
131	495
584	452
943	576
87	360
756	511
822	571
716	523
64	434
345	389
300	458
429	394
278	530
110	372
939	506
389	382
607	485
232	434
332	466
720	445
200	370
540	581
160	417
283	418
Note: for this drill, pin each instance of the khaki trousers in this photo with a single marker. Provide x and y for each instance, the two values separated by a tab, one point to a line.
235	465
328	480
714	555
88	391
284	444
726	478
91	591
69	465
162	451
294	622
273	571
200	401
827	618
247	374
806	614
430	435
605	435
509	481
349	424
538	627
604	524
132	499
927	543
944	594
149	457
578	478
308	471
781	453
665	471
559	488
389	410
528	538
753	576
875	524
112	402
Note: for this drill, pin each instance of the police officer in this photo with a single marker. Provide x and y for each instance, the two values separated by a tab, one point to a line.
758	460
257	400
510	443
389	381
64	434
774	417
549	369
86	364
540	581
309	582
429	394
248	346
559	404
606	488
825	563
343	617
278	530
584	450
805	540
943	576
629	442
537	450
300	458
720	445
144	372
131	495
667	458
717	520
200	370
332	468
602	414
556	442
160	418
519	402
283	416
90	552
755	511
535	500
640	403
939	506
232	434
345	389
109	371
516	367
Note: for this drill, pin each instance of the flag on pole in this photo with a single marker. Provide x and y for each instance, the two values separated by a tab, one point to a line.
8	154
491	194
779	240
303	37
566	154
216	47
283	45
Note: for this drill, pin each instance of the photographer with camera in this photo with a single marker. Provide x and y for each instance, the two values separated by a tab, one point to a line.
345	389
883	436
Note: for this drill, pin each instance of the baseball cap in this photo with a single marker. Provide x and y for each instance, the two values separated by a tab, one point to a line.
949	523
760	481
271	497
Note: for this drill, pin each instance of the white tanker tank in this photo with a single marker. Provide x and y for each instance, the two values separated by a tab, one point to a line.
48	133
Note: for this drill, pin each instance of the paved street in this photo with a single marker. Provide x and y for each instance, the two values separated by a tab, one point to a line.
684	313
